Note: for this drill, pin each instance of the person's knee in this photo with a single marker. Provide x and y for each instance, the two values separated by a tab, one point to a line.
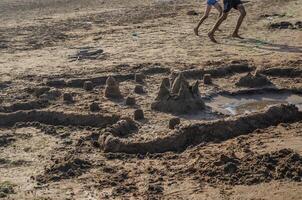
220	13
242	10
243	13
205	16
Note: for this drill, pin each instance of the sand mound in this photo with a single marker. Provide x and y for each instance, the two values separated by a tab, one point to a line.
122	128
254	80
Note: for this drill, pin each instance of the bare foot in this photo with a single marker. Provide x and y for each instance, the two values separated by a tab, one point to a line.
211	36
196	31
235	35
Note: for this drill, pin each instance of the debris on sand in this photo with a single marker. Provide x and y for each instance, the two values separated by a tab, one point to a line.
3	46
192	13
65	168
112	89
207	79
6	188
155	190
174	122
139	78
181	98
139	89
254	80
94	107
4	84
68	98
286	25
87	54
48	130
270	16
298	24
6	139
252	168
281	25
88	86
139	114
214	131
130	101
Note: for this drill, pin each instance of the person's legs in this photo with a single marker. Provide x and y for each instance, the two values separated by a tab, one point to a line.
205	16
219	9
216	26
227	4
241	9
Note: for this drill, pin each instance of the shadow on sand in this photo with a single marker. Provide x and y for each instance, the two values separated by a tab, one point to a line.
268	46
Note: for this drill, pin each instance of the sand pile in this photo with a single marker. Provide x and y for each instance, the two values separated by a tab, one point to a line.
254	80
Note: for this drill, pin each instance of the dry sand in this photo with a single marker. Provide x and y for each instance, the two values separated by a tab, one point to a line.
49	149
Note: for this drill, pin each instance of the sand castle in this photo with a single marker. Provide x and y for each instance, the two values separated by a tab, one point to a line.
180	98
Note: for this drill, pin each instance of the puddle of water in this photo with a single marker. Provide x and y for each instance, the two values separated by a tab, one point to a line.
241	104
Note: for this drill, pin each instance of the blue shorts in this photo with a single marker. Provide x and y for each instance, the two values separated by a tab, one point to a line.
211	2
229	4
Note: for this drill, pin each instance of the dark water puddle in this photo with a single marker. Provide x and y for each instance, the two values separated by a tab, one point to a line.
248	103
